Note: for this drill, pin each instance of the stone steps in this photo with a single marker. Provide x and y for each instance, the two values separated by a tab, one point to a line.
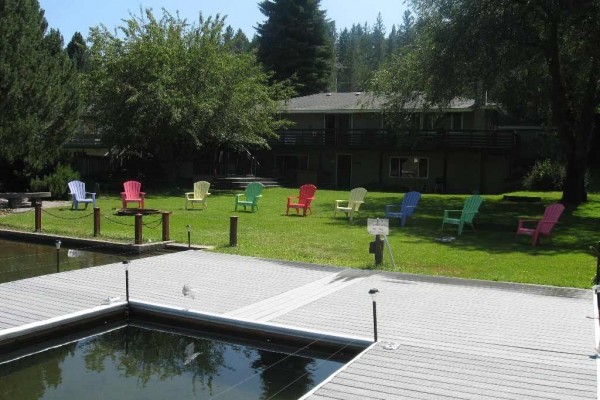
241	182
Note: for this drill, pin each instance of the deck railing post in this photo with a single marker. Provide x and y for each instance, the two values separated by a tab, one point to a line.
138	228
233	220
96	221
38	217
165	226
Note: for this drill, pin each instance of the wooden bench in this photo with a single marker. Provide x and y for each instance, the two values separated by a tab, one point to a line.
15	198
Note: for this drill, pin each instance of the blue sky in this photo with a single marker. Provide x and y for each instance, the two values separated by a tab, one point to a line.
70	16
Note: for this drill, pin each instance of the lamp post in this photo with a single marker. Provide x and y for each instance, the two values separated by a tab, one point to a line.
189	229
374	293
126	266
57	245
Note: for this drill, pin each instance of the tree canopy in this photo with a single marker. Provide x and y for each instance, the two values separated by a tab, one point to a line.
39	95
537	58
166	84
296	42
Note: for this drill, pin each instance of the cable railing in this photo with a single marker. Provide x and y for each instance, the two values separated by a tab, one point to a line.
154	220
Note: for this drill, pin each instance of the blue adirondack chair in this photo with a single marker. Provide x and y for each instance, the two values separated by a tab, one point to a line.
404	209
250	197
78	193
467	214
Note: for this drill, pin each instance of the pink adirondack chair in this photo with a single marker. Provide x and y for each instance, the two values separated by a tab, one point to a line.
132	194
544	226
306	196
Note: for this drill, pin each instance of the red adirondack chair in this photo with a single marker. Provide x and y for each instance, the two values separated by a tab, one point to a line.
306	196
544	226
132	194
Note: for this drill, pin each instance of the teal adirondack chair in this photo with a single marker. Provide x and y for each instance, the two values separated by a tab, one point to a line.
250	197
405	209
467	214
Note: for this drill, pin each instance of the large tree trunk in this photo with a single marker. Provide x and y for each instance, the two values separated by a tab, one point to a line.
574	192
577	146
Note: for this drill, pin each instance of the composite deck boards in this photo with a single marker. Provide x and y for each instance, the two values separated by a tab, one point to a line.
439	338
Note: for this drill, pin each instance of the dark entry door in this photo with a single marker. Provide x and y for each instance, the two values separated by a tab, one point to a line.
344	171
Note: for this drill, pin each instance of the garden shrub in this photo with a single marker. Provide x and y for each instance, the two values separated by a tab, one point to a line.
56	183
545	175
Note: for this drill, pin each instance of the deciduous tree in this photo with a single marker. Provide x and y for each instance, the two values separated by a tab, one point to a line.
168	88
534	57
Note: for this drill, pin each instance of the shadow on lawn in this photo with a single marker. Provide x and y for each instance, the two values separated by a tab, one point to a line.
495	225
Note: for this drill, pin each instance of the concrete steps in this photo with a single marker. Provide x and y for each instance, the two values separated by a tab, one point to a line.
241	182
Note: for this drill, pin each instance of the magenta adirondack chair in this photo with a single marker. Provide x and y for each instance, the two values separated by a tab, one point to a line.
306	196
543	227
132	194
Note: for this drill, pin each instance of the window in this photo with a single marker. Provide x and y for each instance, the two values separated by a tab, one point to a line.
456	121
409	167
286	163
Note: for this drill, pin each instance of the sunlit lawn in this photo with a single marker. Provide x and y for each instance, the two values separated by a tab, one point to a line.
490	253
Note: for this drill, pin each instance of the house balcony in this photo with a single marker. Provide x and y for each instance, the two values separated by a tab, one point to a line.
378	139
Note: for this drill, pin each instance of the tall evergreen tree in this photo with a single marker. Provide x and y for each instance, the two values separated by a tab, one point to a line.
39	99
77	51
295	43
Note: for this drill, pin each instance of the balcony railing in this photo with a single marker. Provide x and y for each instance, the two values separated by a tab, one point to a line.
381	138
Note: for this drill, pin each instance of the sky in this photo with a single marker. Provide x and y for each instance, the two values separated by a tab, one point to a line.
70	16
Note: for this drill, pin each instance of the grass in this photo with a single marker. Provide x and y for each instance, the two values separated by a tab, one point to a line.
490	253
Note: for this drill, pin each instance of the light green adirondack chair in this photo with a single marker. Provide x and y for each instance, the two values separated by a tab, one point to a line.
467	214
199	194
357	197
251	196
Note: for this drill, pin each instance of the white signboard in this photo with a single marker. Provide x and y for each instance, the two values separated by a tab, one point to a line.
376	226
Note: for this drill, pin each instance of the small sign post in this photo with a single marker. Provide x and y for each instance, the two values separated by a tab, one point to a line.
378	227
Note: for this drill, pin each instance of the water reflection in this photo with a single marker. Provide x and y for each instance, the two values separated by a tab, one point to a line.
20	260
136	363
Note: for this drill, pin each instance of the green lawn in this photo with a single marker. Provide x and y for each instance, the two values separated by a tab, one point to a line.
491	253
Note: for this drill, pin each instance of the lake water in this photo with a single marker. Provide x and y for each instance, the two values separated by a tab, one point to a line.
19	260
138	363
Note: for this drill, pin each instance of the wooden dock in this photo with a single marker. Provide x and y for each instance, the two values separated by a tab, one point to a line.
439	338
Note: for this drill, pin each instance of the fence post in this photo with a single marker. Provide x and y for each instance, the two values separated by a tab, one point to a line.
96	221
233	231
165	226
38	216
138	228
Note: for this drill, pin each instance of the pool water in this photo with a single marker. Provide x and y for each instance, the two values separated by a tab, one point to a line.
19	260
131	362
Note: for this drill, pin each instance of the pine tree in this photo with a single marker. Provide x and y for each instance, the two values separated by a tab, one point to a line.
39	97
77	51
295	43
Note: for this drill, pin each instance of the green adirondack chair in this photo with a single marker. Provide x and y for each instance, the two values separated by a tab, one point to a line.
467	214
250	197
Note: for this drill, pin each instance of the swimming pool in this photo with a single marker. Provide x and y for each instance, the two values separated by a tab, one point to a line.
137	361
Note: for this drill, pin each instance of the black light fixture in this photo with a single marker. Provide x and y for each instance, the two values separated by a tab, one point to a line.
189	229
126	266
374	293
57	245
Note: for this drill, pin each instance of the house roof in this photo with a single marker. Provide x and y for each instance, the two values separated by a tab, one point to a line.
351	102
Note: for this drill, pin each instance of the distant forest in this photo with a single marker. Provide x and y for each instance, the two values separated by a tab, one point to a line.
358	51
